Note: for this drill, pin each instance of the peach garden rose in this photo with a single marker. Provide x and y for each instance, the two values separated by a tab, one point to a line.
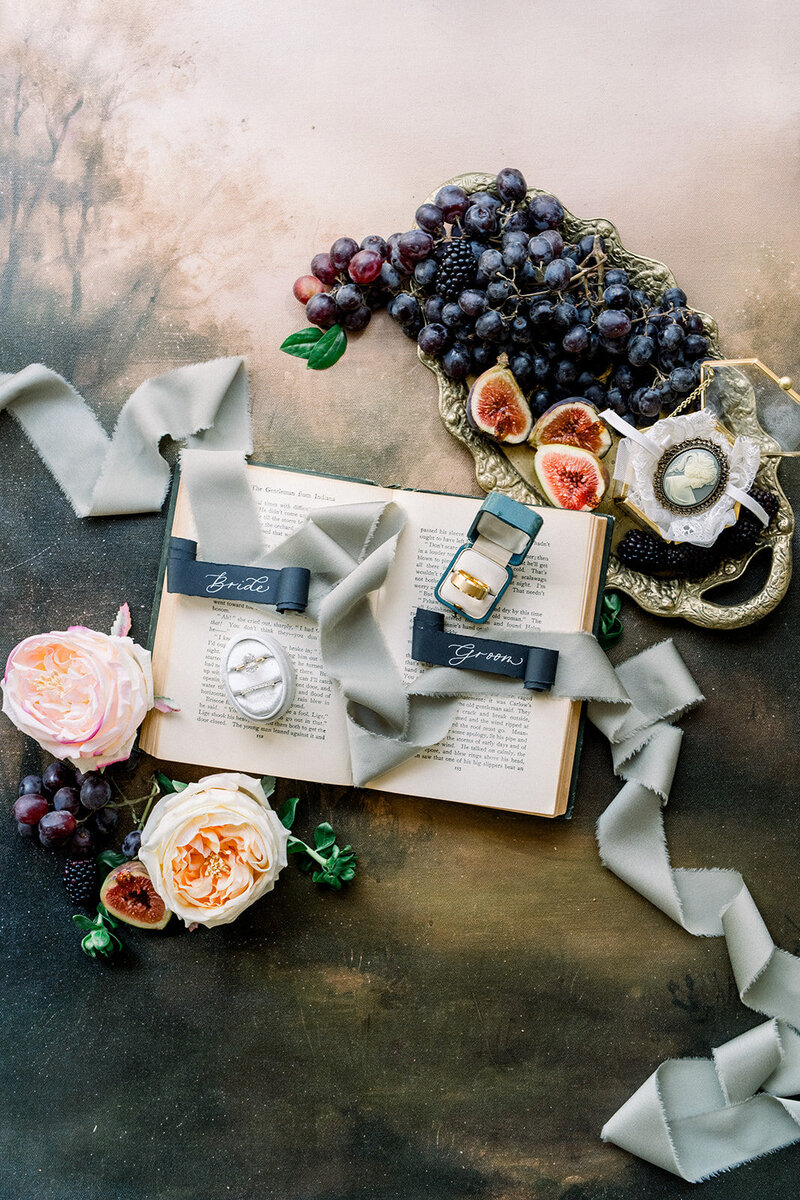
80	694
214	848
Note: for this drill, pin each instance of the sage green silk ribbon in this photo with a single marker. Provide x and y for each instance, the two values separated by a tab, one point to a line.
693	1117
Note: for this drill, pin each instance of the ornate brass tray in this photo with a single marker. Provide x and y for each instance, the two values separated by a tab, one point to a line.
510	469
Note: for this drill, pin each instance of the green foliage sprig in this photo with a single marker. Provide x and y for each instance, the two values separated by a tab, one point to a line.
320	350
99	941
326	862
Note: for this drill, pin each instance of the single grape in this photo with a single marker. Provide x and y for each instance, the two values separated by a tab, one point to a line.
390	277
640	299
565	372
433	308
616	295
405	308
484	199
555	239
515	255
541	368
681	380
425	272
430	218
30	783
67	798
358	319
565	315
321	310
400	262
348	297
696	346
479	221
515	235
498	291
472	302
491	263
375	242
545	212
453	315
616	275
456	362
453	201
490	326
28	832
131	843
305	287
623	378
82	843
30	808
540	402
613	324
557	274
586	245
484	356
674	297
342	251
95	791
521	365
57	775
541	312
322	266
540	251
433	339
415	245
640	350
672	337
511	185
616	401
517	220
596	395
694	323
365	266
585	315
649	403
576	340
477	247
55	828
520	331
105	821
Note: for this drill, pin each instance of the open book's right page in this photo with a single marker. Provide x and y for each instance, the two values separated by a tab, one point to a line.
513	752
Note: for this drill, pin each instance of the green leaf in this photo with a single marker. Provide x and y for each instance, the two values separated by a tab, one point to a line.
301	344
108	859
611	628
106	918
165	784
268	784
324	837
177	786
287	812
329	349
83	922
295	846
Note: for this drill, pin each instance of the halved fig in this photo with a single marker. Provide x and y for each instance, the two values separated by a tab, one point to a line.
497	407
571	477
573	422
128	894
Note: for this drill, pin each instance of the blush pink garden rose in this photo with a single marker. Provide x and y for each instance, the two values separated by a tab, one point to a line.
80	694
214	848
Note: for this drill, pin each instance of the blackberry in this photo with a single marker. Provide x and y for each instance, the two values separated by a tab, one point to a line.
688	561
642	551
456	269
740	538
81	879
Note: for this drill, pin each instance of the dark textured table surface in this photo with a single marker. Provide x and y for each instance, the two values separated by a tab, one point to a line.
463	1020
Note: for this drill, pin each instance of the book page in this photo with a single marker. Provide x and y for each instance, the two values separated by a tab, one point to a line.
309	741
505	751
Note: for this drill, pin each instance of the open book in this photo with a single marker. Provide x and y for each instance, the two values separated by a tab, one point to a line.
517	752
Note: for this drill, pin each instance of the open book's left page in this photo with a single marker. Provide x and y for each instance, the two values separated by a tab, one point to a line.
191	634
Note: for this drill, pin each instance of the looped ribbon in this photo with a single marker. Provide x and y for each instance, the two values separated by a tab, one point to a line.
696	1117
693	1117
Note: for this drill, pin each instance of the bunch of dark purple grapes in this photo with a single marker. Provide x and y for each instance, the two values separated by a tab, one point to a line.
492	273
67	810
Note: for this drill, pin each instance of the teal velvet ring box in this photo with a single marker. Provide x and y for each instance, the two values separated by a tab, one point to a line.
480	571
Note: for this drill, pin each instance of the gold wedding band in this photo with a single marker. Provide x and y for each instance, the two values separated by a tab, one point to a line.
469	585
